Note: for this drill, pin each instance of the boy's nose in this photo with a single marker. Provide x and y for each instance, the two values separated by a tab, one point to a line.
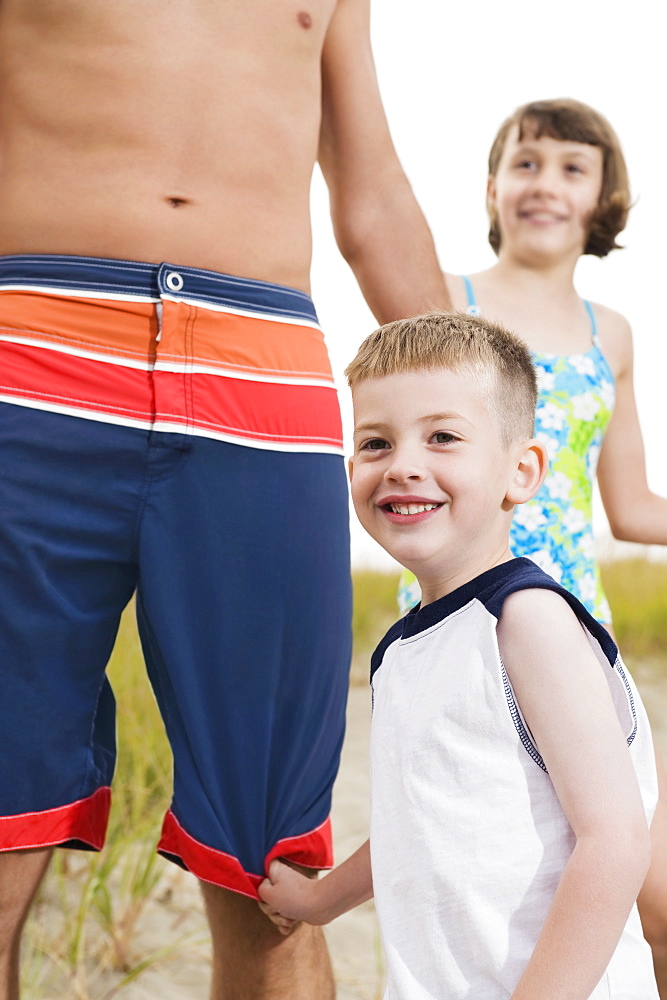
404	468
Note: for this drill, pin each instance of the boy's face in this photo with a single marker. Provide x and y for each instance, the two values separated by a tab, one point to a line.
431	474
544	193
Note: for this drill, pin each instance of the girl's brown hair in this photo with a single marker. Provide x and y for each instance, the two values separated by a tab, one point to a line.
573	121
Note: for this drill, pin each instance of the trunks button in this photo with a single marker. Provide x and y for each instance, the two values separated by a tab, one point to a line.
174	281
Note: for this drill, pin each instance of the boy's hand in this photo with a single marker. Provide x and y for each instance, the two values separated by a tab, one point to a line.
287	897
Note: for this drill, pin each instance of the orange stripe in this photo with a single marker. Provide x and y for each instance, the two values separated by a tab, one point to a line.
190	334
242	343
116	329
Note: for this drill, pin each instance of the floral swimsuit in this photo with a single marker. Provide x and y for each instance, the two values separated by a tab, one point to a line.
555	529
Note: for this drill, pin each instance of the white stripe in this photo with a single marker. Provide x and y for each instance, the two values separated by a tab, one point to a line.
305	447
78	352
165	427
177	367
250	313
73	411
184	367
79	293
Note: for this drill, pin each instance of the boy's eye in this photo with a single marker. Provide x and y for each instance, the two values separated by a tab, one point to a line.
375	444
574	168
443	437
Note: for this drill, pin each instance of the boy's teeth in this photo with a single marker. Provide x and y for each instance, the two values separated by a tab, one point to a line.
411	508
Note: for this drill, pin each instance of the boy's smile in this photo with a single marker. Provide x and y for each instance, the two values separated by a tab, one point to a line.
431	474
402	508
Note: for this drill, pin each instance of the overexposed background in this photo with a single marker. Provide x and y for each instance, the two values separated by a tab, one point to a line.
449	75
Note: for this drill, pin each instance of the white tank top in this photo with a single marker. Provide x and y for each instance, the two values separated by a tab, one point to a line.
468	838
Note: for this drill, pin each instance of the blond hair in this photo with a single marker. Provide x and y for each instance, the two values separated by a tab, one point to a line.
496	358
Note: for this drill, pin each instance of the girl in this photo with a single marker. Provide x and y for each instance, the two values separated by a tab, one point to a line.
557	189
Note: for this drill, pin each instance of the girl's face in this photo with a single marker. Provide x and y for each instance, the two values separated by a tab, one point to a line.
544	194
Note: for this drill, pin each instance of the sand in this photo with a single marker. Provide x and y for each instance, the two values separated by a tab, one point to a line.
174	918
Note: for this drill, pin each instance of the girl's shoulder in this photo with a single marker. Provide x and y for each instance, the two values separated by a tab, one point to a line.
458	291
615	337
465	289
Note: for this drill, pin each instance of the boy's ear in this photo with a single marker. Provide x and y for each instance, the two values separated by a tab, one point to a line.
531	468
350	467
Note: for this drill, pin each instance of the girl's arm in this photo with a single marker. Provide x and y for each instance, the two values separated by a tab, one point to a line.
635	513
566	702
288	897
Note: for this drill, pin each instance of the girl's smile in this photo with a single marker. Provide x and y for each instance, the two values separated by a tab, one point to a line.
544	194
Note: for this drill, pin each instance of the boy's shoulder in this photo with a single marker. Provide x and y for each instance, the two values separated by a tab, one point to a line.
521	577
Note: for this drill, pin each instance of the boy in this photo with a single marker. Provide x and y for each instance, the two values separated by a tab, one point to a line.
513	776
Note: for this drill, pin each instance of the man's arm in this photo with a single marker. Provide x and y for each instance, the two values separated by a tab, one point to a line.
288	897
565	700
378	224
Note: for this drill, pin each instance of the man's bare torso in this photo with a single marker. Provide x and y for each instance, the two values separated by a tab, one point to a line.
179	130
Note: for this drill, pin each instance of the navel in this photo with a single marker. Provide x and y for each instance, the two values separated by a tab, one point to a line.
304	19
176	202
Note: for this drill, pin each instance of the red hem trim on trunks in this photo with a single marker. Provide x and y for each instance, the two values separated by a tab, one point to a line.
84	820
312	850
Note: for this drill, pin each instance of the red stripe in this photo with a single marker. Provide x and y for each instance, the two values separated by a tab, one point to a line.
313	850
85	820
262	411
64	380
291	414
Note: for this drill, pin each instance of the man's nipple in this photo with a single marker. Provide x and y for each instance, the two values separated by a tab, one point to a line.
304	19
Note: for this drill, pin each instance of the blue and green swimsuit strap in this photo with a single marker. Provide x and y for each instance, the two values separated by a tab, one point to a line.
555	527
594	323
473	309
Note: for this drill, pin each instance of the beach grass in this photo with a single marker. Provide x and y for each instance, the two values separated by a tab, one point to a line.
81	939
636	588
375	610
637	592
98	898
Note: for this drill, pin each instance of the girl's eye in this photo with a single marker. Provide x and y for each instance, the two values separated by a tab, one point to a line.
443	437
574	168
375	444
526	164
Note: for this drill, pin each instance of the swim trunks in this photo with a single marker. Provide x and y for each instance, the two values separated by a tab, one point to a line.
175	432
555	528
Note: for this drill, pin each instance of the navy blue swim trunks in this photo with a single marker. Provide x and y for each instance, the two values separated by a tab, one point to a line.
173	433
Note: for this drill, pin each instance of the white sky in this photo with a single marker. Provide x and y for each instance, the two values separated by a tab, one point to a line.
449	74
